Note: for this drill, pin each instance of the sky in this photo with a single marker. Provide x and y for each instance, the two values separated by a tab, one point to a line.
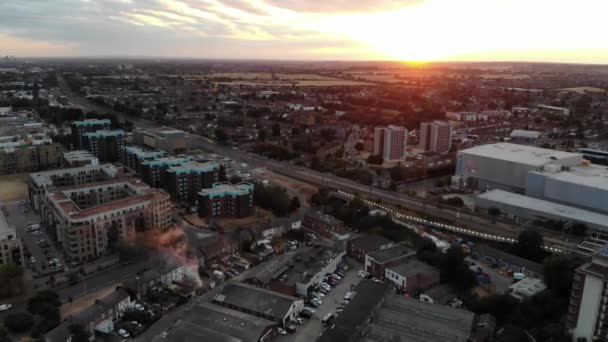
408	30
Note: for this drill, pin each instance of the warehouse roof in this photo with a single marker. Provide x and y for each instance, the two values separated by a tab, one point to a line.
411	320
368	295
520	133
255	299
557	210
228	322
523	154
385	255
594	176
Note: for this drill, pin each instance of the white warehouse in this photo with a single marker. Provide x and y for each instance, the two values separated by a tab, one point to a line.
506	166
584	186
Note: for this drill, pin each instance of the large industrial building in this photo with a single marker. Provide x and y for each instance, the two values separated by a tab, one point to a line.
164	138
584	186
506	166
390	142
523	207
90	218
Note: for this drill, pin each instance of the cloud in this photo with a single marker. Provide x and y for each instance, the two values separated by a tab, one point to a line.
343	6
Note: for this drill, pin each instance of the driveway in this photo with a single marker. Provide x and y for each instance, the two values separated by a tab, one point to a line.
20	219
312	328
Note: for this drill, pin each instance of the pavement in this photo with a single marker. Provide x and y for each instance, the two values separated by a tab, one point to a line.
20	219
313	328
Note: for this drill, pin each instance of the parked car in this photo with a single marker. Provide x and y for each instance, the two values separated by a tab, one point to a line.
291	328
306	314
299	320
123	333
345	302
282	331
5	307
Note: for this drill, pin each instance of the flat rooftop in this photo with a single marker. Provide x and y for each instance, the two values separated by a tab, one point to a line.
144	153
409	320
392	253
81	155
412	268
105	133
555	209
255	299
91	122
227	189
45	178
593	176
225	321
143	193
530	155
192	167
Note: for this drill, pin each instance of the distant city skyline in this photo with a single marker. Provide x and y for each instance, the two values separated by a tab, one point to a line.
407	30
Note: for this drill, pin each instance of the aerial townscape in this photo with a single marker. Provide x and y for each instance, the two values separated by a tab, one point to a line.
301	171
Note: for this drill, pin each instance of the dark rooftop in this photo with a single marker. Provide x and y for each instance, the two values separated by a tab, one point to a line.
246	328
409	320
368	296
369	242
385	255
255	299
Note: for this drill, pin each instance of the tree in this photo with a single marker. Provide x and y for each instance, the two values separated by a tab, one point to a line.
221	135
359	146
295	203
79	334
19	322
455	202
39	303
529	245
11	280
375	159
494	211
559	272
276	130
261	135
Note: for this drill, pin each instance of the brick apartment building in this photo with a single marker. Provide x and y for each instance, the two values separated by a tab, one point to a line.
134	157
377	262
390	142
225	199
185	181
436	136
90	218
105	145
152	171
41	182
79	128
323	224
358	248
